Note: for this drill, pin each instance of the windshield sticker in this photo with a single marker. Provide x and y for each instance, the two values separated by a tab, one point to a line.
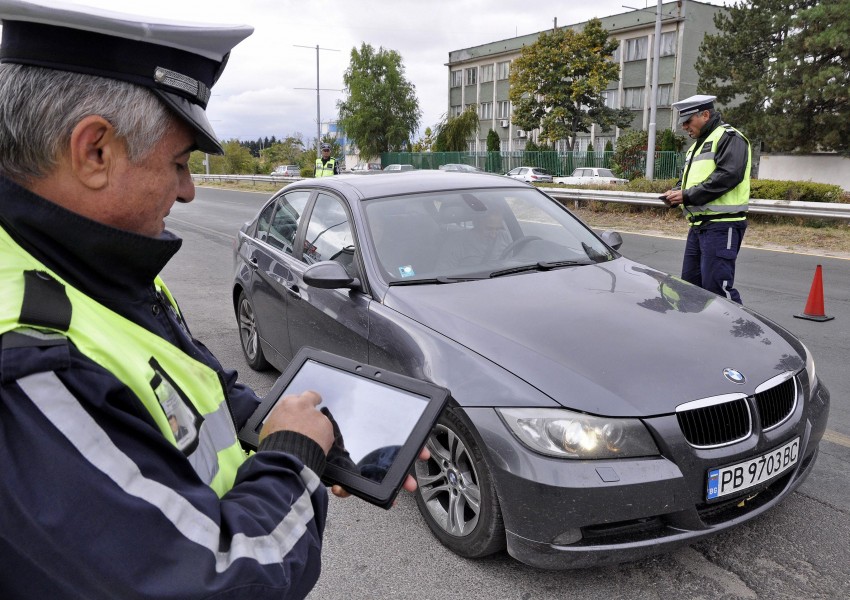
406	271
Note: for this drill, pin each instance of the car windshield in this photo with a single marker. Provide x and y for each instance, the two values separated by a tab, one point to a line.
470	234
606	173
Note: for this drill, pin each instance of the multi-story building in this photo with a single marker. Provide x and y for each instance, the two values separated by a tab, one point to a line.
479	75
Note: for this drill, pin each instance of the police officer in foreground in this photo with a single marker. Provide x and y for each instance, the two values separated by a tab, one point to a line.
326	164
714	194
121	473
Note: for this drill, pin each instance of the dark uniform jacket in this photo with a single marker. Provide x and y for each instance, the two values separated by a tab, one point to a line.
68	528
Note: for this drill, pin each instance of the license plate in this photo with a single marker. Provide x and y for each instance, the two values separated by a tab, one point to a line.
744	475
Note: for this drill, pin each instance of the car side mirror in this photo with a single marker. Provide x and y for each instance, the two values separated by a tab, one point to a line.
612	238
329	275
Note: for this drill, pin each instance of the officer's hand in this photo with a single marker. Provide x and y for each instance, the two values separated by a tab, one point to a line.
409	482
673	197
299	414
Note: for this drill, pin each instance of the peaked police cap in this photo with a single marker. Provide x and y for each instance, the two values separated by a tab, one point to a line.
179	62
691	106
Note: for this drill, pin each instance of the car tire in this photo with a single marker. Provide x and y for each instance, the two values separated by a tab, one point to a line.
249	335
456	494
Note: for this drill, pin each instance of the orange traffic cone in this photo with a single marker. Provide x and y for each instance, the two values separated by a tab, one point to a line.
814	305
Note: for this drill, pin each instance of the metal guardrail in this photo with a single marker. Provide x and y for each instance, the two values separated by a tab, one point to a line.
787	208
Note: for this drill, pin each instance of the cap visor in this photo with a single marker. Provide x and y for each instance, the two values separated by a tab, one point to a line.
196	118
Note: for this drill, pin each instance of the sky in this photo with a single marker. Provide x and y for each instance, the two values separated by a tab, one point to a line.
269	85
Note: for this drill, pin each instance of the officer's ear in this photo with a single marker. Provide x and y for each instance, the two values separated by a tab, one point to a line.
94	149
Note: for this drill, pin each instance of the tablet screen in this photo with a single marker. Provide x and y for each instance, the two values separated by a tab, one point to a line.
374	427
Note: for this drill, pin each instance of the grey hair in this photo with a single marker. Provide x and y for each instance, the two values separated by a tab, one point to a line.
39	109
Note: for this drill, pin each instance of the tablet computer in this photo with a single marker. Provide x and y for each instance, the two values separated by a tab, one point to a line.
382	420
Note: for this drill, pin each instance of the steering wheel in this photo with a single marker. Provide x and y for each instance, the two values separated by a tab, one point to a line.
516	245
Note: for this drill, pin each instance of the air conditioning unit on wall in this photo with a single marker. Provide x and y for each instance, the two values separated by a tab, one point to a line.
503	122
520	133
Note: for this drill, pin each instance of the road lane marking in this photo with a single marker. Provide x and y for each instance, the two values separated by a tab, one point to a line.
836	438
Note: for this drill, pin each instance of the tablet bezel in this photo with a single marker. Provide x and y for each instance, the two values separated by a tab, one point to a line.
381	494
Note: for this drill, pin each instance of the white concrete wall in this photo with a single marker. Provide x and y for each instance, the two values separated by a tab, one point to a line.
820	168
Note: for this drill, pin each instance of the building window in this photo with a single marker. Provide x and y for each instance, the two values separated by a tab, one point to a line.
662	98
503	69
633	98
457	78
504	108
455	110
609	97
485	110
615	57
486	73
472	76
636	48
668	43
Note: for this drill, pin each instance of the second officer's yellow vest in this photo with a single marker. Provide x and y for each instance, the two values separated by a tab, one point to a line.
325	170
167	381
699	165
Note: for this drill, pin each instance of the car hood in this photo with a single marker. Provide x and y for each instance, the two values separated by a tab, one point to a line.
615	338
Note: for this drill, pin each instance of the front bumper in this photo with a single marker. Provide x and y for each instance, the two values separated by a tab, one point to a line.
562	514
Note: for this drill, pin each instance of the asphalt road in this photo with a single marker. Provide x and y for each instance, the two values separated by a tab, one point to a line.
799	550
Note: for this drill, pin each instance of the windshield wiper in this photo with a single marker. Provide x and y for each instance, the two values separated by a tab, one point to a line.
540	266
434	280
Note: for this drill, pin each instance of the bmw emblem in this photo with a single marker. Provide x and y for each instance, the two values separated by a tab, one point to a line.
734	376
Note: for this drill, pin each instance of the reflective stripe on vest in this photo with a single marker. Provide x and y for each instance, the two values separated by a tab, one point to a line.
325	170
699	165
166	380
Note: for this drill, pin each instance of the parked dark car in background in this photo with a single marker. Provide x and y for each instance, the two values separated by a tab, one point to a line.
600	411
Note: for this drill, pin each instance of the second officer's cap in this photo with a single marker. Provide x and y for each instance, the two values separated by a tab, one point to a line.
691	106
179	62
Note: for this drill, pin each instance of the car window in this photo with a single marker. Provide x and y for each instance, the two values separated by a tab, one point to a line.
329	235
606	173
473	233
278	222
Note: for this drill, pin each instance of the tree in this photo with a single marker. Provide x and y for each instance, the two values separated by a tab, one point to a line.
494	155
629	158
380	111
782	68
453	133
557	83
424	143
238	159
286	152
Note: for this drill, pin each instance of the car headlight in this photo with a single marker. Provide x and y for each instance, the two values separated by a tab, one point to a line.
566	434
810	367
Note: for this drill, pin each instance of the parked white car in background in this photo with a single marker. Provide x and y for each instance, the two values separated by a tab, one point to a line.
591	175
530	174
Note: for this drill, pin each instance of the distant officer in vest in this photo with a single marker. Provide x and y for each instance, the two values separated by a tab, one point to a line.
122	476
714	195
326	164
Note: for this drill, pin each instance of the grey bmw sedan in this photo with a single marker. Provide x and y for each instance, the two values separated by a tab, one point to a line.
600	410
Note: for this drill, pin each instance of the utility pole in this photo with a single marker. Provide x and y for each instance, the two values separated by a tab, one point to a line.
653	102
318	103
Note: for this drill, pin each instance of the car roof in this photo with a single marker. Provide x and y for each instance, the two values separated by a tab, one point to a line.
407	182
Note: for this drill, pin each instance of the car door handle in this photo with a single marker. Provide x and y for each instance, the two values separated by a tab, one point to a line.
253	262
293	290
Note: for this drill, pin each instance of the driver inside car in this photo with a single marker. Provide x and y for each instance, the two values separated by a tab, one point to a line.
483	243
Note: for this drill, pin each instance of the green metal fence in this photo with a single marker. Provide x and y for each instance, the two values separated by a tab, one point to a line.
667	164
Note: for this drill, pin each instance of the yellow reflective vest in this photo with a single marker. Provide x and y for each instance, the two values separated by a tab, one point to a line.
185	397
699	165
326	169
